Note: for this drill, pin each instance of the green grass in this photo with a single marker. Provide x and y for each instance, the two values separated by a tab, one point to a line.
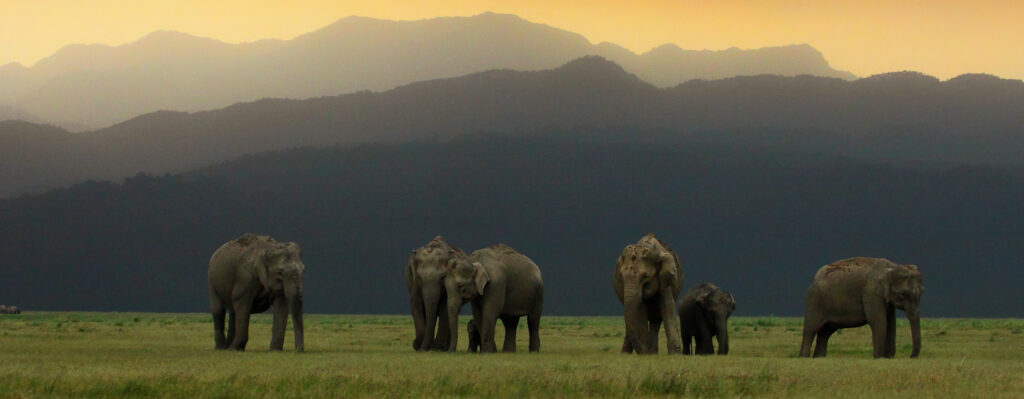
170	355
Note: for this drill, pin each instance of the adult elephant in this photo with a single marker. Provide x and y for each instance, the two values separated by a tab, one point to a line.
858	291
704	313
424	276
648	278
499	283
249	275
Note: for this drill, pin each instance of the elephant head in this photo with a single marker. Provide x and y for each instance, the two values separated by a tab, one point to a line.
902	286
280	272
648	271
470	278
716	306
425	276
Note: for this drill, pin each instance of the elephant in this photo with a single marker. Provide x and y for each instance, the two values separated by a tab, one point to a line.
249	275
474	336
703	313
648	278
858	291
425	277
499	283
4	309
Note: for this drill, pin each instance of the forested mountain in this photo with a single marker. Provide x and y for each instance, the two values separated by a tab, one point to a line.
899	117
758	221
100	85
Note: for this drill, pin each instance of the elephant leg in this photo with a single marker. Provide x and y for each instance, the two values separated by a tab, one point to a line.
890	332
231	328
511	324
241	315
707	347
487	324
533	322
824	333
418	317
280	324
687	337
811	327
627	347
879	328
218	311
702	336
443	335
652	340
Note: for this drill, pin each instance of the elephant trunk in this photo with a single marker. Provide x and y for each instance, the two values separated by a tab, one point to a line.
431	297
722	330
293	294
637	330
914	316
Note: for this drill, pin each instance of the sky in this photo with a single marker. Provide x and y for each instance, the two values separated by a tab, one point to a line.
943	38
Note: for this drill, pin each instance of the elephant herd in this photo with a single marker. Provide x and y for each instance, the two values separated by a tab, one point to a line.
254	273
5	309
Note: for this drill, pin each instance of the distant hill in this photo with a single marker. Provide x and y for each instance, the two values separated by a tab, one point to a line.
899	117
758	221
176	71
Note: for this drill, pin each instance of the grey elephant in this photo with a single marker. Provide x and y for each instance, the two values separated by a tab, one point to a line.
648	278
5	309
425	278
704	313
249	275
474	336
499	283
858	291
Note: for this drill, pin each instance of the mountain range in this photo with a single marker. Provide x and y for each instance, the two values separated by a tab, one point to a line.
99	85
756	220
899	117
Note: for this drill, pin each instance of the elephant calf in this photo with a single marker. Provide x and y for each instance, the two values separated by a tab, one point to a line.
858	291
249	275
474	336
704	313
500	283
647	281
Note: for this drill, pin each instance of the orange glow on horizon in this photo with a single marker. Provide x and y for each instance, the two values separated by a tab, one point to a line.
941	38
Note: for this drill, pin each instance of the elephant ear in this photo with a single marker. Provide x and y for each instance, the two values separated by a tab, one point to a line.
258	264
265	265
883	284
411	279
732	301
480	277
669	272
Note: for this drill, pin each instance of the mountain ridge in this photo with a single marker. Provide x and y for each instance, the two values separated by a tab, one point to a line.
896	117
167	70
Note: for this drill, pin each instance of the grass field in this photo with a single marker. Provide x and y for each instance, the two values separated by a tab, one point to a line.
170	355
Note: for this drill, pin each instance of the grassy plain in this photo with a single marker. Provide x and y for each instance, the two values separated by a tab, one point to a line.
170	355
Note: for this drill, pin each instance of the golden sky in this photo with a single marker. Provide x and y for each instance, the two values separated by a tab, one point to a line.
943	38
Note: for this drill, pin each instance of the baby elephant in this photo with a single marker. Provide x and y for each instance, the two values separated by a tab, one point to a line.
474	336
703	313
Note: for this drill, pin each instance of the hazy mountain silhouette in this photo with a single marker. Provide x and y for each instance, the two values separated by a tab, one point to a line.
176	71
757	221
900	117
